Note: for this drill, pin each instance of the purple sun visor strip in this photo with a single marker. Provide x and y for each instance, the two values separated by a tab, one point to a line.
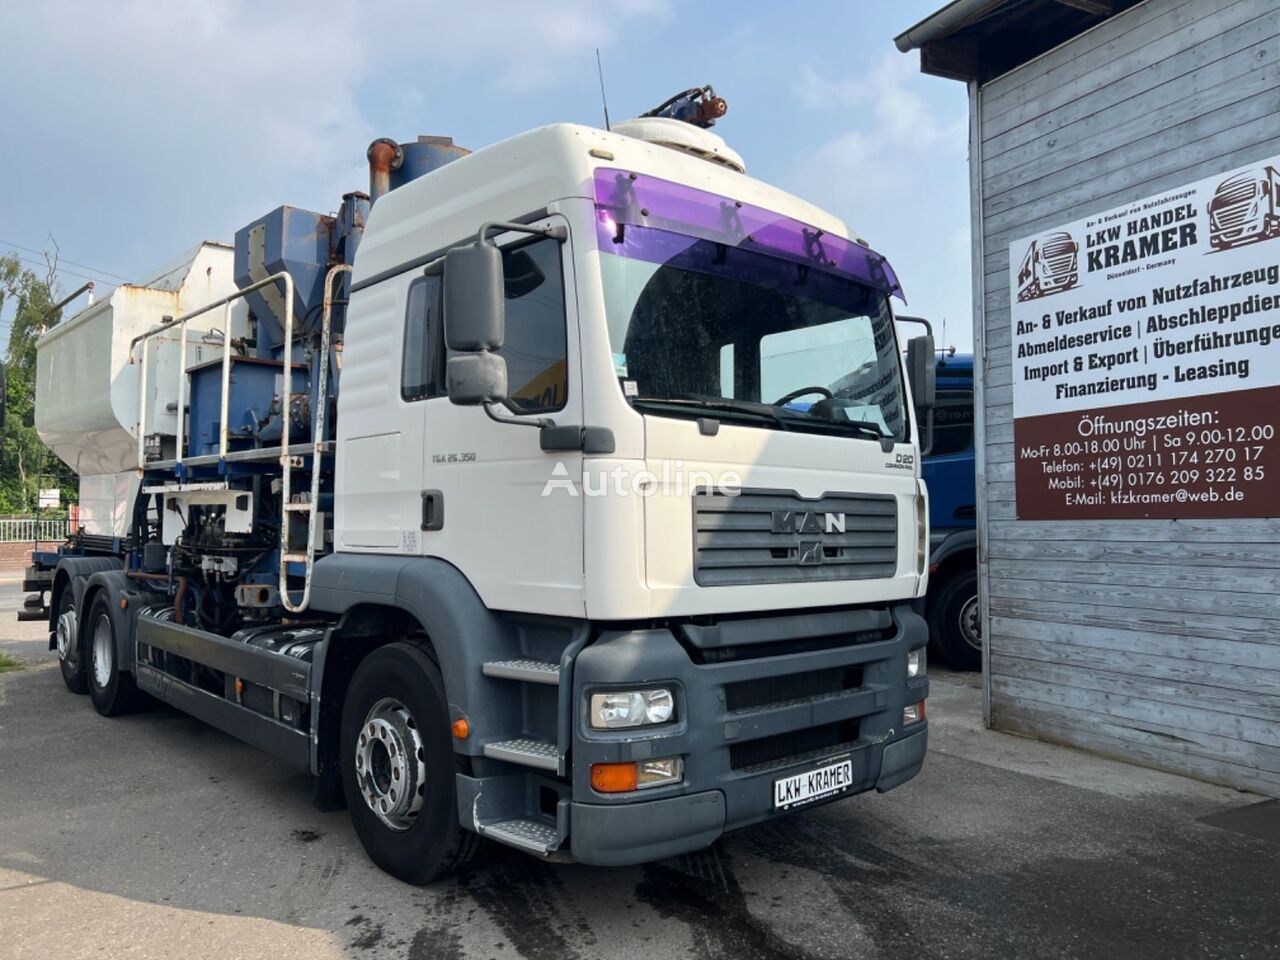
624	198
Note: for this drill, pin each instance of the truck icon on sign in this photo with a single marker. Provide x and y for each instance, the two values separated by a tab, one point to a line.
1050	265
1245	208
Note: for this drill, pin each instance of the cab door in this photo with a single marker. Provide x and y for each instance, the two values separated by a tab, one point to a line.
386	380
507	514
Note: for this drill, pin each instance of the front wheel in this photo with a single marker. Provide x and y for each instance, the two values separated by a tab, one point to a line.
70	655
399	767
111	689
955	621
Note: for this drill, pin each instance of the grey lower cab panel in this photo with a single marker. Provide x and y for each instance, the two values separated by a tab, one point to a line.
902	760
621	834
292	746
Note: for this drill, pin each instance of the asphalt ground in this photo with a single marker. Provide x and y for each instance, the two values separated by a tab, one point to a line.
155	836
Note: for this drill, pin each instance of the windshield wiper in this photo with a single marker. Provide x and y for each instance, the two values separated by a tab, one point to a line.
783	420
863	428
759	411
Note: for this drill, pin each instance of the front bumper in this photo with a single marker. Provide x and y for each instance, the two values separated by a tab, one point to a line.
622	834
735	736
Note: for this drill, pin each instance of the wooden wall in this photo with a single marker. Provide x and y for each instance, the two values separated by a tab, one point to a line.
1157	641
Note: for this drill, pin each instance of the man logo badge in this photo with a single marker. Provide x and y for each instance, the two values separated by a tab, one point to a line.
810	552
802	521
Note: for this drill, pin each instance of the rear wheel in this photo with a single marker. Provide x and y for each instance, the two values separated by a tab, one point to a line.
955	621
111	689
71	660
398	766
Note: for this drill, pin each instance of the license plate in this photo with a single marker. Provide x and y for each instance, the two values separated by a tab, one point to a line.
802	788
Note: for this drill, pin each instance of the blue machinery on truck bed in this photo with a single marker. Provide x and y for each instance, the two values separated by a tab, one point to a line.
289	264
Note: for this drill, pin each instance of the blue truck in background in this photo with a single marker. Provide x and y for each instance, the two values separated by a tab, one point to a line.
951	607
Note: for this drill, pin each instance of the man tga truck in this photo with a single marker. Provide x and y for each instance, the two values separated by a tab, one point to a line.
482	501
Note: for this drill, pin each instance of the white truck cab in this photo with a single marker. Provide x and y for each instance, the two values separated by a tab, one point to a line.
625	321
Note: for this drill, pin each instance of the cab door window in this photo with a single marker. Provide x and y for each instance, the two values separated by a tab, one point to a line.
421	368
536	340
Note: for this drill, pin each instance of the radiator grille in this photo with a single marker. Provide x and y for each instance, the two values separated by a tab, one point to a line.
1231	216
776	537
786	748
773	691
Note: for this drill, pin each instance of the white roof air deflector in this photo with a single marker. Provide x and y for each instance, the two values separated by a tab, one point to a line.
685	137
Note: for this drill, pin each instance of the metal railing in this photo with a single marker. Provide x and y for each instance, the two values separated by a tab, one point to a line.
181	322
33	530
288	459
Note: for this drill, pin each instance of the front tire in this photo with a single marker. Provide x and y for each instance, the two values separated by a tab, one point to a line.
955	624
71	660
111	689
398	766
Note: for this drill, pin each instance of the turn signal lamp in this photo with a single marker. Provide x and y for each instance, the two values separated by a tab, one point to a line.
625	777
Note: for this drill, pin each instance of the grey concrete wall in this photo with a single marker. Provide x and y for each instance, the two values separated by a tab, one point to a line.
1157	641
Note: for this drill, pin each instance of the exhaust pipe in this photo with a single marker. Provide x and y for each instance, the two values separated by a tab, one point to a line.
385	156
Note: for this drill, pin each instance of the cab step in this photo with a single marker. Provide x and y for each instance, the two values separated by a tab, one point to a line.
530	671
525	751
533	836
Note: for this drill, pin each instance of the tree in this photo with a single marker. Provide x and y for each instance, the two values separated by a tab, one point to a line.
25	462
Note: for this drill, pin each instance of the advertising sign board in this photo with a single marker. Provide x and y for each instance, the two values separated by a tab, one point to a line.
1146	356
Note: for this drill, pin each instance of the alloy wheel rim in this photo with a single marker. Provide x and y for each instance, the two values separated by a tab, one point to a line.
103	652
391	764
66	629
971	623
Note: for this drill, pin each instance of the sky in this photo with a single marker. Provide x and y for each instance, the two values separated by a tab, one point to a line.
135	130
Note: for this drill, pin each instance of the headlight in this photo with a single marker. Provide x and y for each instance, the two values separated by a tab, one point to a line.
916	663
913	714
631	708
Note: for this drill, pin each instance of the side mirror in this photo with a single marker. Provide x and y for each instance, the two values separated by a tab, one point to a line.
922	366
473	379
474	324
922	373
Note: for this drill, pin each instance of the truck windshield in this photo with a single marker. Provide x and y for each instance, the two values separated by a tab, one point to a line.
709	329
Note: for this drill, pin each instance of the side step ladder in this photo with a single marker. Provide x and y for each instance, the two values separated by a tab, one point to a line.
500	811
288	552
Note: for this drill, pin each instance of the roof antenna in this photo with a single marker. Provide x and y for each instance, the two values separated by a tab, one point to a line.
603	99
